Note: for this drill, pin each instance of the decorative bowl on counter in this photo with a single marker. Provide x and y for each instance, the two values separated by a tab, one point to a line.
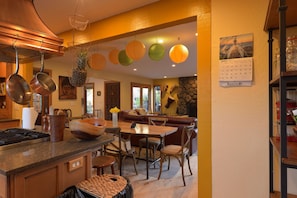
88	128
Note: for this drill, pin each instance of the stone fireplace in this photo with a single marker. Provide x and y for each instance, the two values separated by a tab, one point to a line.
187	96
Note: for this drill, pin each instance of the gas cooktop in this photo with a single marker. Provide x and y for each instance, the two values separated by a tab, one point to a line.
12	137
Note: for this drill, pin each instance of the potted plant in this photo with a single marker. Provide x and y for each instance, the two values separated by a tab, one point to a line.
79	73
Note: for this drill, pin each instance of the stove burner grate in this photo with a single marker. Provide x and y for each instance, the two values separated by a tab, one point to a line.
18	135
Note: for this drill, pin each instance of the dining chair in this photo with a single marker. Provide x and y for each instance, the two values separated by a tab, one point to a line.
154	143
180	152
120	148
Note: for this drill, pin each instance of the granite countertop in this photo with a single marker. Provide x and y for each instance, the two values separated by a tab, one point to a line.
28	156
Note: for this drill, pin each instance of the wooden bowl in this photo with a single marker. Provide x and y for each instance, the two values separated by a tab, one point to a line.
86	129
84	136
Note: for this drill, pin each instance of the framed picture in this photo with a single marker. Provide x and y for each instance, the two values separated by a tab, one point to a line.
66	90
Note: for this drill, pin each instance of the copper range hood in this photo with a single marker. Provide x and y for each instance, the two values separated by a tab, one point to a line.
21	27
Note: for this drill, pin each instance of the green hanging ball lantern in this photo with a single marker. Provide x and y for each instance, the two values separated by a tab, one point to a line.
124	59
156	51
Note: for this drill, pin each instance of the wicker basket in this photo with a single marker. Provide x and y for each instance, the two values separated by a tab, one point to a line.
105	185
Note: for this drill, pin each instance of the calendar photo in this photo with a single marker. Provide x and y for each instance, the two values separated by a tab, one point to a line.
237	46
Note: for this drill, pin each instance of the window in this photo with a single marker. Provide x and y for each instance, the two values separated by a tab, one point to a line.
140	96
157	99
89	98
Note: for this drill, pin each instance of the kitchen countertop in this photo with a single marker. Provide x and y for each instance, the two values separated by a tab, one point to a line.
28	156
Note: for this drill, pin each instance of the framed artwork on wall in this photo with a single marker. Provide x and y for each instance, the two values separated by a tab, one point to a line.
66	90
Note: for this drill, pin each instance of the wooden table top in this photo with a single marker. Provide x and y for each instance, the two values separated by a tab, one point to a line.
144	129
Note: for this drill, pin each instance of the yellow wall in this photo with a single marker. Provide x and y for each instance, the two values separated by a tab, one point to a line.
240	114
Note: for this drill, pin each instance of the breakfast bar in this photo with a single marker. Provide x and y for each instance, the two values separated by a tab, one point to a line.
28	170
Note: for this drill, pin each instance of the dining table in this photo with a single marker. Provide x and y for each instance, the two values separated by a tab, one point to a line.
145	130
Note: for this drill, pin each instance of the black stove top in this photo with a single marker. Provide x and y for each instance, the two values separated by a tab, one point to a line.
20	135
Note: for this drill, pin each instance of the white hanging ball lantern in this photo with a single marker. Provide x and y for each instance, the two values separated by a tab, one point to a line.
97	61
113	56
179	53
135	50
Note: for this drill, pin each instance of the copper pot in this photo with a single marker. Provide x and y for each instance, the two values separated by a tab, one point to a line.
16	86
41	82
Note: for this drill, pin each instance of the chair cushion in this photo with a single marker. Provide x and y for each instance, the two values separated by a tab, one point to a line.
172	149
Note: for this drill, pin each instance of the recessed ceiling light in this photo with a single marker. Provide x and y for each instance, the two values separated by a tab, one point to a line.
134	69
196	34
165	77
195	74
173	65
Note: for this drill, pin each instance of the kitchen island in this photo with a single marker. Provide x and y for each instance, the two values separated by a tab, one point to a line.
47	168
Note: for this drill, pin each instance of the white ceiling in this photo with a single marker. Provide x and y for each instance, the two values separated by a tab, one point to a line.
55	14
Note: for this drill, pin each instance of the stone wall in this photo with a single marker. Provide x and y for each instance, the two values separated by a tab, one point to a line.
187	96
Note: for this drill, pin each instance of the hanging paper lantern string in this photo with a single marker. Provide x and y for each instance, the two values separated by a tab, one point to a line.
113	56
97	61
179	53
135	50
124	59
156	51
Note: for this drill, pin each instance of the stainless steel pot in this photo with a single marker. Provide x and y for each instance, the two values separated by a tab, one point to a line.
42	83
16	86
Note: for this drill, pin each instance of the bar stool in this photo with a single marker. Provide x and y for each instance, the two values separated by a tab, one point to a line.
100	162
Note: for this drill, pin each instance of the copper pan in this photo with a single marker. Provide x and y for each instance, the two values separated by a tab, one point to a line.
16	86
42	83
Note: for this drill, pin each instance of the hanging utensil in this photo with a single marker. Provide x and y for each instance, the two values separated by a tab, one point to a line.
42	83
16	86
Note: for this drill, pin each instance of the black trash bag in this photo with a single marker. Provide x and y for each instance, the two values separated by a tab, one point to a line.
72	192
127	192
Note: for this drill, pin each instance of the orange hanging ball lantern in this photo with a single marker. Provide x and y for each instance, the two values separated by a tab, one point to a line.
113	56
97	61
179	53
135	50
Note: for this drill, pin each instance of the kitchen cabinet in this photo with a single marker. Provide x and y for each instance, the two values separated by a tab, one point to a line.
5	101
281	14
51	179
9	123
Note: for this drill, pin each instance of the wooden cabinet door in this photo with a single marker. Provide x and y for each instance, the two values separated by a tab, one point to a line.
50	180
5	101
37	182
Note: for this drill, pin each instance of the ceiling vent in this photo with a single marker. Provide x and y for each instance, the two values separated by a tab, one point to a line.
21	27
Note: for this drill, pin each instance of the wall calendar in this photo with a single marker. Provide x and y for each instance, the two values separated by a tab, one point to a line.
236	72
